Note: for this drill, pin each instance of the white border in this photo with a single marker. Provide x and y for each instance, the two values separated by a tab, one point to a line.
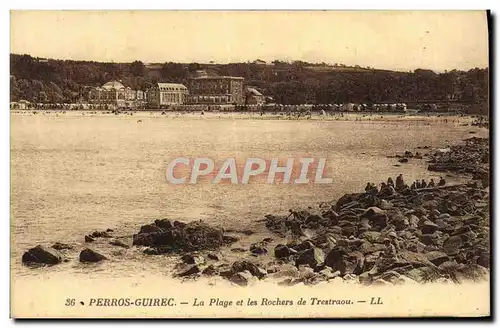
190	5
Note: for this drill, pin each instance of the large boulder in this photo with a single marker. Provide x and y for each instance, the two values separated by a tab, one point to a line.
42	255
88	255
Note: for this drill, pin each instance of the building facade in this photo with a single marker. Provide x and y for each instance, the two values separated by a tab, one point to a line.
166	94
115	94
216	90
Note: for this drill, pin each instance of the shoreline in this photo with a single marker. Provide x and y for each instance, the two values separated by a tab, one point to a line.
199	260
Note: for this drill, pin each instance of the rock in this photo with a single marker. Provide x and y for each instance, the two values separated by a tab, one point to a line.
100	234
428	239
422	275
429	227
119	243
109	230
371	236
42	255
327	273
306	244
474	220
335	260
436	257
89	239
88	255
377	217
193	269
403	160
229	239
60	246
286	270
148	228
243	278
390	276
281	251
258	250
256	271
311	257
192	259
452	245
238	250
164	224
209	271
415	259
212	256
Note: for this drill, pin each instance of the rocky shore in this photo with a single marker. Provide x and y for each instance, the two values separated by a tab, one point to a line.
438	234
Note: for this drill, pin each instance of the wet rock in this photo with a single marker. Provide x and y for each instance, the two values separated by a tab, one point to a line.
88	255
311	257
89	239
437	257
60	246
192	259
42	255
118	243
243	278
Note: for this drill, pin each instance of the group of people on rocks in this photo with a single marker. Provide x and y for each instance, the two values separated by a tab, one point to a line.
390	187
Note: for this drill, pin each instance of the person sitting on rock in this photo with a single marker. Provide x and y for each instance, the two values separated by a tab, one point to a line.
423	184
400	182
390	182
442	182
413	186
431	184
390	250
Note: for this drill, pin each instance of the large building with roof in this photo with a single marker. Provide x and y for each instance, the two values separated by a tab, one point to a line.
115	94
167	94
205	89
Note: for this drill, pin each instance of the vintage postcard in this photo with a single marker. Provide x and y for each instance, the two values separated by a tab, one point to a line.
250	164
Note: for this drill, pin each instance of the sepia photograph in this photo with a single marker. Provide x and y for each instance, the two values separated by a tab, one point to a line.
250	164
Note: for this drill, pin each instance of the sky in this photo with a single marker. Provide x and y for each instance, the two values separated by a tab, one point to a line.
396	40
